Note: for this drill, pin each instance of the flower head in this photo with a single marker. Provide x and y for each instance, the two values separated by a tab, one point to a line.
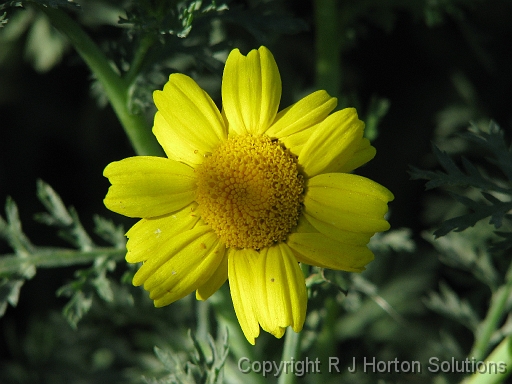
247	194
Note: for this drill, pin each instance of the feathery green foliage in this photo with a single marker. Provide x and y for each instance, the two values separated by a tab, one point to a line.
15	269
496	193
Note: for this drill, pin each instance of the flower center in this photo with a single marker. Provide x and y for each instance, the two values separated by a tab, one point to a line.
250	191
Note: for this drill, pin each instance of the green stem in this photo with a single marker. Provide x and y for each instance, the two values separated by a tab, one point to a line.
497	365
328	45
491	321
138	60
291	352
10	264
203	320
135	125
291	348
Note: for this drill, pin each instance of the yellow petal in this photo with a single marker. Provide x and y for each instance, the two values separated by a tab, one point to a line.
308	224
348	202
322	251
241	264
333	143
145	186
363	154
304	226
188	124
182	265
172	247
305	113
341	235
175	147
251	91
219	277
282	297
296	142
147	235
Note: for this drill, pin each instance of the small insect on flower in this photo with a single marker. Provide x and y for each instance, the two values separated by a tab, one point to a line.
247	194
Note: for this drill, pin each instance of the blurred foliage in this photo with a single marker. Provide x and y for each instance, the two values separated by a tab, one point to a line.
416	71
470	244
496	193
155	38
15	269
201	368
11	283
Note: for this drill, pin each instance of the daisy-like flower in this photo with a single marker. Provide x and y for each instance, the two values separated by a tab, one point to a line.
246	194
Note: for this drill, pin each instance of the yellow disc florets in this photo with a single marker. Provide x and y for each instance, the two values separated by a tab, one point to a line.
249	191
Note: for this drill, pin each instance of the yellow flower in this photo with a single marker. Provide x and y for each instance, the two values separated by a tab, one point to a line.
247	194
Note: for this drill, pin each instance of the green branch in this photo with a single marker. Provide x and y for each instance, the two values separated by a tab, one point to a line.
291	350
51	258
116	88
145	44
328	45
497	366
493	318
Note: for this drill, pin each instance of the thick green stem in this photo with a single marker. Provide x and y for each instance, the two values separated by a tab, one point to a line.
328	44
494	316
291	352
497	366
135	125
10	264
